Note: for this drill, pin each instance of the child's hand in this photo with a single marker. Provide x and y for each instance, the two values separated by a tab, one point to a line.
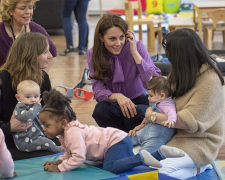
52	168
52	163
39	101
138	128
168	123
14	174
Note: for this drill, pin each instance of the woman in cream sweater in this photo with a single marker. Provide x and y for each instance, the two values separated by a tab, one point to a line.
199	94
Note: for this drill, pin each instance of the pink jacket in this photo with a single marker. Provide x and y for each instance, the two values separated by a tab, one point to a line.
83	142
6	161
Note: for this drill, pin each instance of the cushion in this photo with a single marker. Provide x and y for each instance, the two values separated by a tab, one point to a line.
154	6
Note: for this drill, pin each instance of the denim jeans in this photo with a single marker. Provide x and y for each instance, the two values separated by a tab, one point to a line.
107	114
80	7
152	137
120	157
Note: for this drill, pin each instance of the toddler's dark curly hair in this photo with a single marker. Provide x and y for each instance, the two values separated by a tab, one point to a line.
58	105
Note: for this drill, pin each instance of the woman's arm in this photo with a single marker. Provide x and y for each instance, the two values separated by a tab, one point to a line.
162	117
142	59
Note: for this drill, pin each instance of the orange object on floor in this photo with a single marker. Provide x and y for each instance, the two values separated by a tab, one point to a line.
87	94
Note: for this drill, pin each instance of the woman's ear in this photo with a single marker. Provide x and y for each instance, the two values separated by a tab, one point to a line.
100	37
11	12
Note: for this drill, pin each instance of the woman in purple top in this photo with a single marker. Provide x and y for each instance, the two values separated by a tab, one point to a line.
16	17
119	68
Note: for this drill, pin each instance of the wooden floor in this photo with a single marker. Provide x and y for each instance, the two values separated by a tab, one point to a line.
66	70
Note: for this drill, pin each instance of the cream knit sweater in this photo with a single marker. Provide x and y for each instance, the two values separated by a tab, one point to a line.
203	109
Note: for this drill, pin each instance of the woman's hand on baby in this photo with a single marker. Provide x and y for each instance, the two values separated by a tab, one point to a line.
130	37
52	163
52	168
18	126
148	114
168	123
127	106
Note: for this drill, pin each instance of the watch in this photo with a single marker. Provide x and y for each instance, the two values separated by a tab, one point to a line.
153	117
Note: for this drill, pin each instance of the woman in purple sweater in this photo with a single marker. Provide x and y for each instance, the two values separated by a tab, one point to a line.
16	17
119	68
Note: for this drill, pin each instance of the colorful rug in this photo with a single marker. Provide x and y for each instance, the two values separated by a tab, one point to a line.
219	166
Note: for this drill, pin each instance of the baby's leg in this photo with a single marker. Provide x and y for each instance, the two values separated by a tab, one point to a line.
134	139
44	143
154	136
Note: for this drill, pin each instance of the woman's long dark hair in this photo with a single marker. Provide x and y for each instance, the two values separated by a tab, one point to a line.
187	54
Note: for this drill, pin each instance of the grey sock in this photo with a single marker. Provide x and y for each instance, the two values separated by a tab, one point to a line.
149	160
171	152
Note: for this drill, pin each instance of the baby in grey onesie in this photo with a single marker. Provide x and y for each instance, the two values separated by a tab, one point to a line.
27	110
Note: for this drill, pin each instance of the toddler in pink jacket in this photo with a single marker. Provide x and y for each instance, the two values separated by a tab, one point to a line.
6	161
81	142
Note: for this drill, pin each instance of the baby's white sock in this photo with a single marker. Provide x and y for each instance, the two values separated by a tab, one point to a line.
203	168
149	160
171	152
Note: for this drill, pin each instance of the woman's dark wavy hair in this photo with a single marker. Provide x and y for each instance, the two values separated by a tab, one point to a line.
58	105
100	62
187	54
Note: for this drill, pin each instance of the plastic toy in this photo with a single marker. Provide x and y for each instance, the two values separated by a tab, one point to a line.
87	94
76	90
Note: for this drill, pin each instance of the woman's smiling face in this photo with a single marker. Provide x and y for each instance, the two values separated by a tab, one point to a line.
114	40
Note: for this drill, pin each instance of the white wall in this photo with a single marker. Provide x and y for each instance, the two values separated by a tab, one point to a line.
93	6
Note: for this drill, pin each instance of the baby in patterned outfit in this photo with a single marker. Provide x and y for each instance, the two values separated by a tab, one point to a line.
27	110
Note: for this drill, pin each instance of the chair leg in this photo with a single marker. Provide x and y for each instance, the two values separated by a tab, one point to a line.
209	39
223	36
205	36
152	36
159	33
140	32
148	35
213	32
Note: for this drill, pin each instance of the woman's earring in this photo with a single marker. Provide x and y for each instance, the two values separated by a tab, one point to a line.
102	42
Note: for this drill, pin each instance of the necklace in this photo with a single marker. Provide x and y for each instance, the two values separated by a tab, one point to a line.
15	36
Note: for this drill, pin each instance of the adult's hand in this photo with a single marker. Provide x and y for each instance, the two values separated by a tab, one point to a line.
18	126
127	106
130	37
148	113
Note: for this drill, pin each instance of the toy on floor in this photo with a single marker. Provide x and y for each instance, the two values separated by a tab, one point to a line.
76	90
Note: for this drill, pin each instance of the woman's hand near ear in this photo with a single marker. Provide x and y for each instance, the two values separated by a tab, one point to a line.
130	37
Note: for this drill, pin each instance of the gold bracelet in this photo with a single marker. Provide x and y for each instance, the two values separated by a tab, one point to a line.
153	117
